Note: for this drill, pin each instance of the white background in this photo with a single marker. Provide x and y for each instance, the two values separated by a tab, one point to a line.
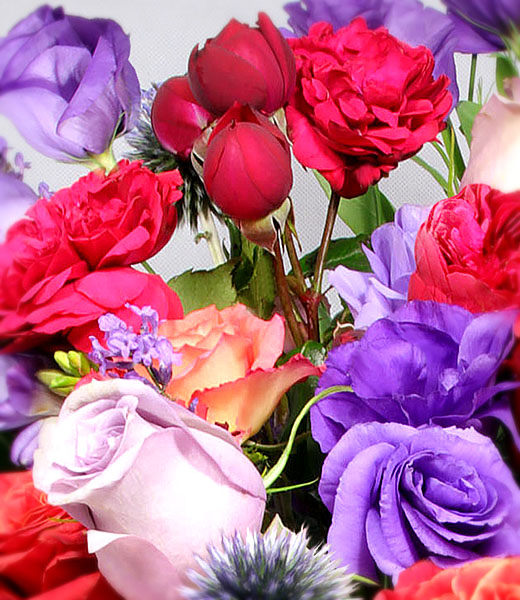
162	34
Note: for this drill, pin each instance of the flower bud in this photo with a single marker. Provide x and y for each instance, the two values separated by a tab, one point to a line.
253	66
247	169
177	119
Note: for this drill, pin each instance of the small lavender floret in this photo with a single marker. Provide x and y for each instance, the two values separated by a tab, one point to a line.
276	566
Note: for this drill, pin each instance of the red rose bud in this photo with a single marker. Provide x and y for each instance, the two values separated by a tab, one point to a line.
253	66
177	119
247	169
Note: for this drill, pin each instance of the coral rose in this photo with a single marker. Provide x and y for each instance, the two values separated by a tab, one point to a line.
364	101
228	359
497	578
468	251
42	551
154	483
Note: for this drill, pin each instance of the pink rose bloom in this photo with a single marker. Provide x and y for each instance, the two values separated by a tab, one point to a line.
495	146
153	483
228	359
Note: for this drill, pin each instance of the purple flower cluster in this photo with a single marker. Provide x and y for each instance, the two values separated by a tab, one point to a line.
372	296
409	473
15	195
124	348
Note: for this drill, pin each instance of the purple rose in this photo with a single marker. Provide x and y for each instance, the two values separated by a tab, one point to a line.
399	494
153	482
430	363
372	296
67	84
407	20
480	24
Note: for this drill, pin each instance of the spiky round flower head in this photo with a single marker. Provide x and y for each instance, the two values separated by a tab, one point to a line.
147	148
275	566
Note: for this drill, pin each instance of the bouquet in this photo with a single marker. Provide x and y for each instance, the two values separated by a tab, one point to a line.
284	425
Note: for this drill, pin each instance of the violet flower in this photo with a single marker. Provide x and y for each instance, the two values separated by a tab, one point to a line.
430	363
15	196
399	494
66	83
407	20
372	296
481	24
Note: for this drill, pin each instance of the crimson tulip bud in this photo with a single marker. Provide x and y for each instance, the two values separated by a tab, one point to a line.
247	168
177	119
253	66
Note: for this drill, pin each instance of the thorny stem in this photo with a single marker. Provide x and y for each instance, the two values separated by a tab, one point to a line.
285	297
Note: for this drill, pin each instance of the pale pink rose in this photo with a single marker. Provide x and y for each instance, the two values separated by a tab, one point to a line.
152	482
495	148
228	359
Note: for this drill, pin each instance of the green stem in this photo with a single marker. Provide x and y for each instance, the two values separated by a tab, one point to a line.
364	580
290	488
472	77
148	267
285	297
272	475
212	238
293	257
319	268
275	447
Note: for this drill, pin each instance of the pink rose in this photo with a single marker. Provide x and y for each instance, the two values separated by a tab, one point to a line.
495	146
152	482
228	359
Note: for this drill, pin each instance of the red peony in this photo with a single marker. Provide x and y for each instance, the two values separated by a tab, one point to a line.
121	218
468	251
43	554
55	265
247	168
487	578
364	101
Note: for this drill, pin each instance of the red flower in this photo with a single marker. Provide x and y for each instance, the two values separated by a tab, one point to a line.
468	251
247	168
46	281
121	218
248	65
41	550
496	578
177	119
364	101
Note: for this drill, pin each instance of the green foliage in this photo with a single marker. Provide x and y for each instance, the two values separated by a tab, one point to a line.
367	212
343	251
505	69
467	111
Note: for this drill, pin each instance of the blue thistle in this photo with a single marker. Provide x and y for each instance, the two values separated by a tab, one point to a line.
275	566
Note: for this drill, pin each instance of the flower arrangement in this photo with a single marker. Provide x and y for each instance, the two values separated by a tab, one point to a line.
339	424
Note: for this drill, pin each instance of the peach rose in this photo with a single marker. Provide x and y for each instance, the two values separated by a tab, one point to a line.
228	359
487	578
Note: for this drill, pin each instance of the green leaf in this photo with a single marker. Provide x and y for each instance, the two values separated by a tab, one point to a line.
467	111
432	171
457	165
197	289
260	292
505	69
314	351
367	212
343	251
325	185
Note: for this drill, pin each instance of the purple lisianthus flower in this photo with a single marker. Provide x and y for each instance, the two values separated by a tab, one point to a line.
15	195
372	296
24	401
408	20
66	83
482	24
399	494
430	363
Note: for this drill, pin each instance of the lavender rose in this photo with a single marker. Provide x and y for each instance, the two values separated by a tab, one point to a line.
153	482
430	363
372	296
399	494
66	83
